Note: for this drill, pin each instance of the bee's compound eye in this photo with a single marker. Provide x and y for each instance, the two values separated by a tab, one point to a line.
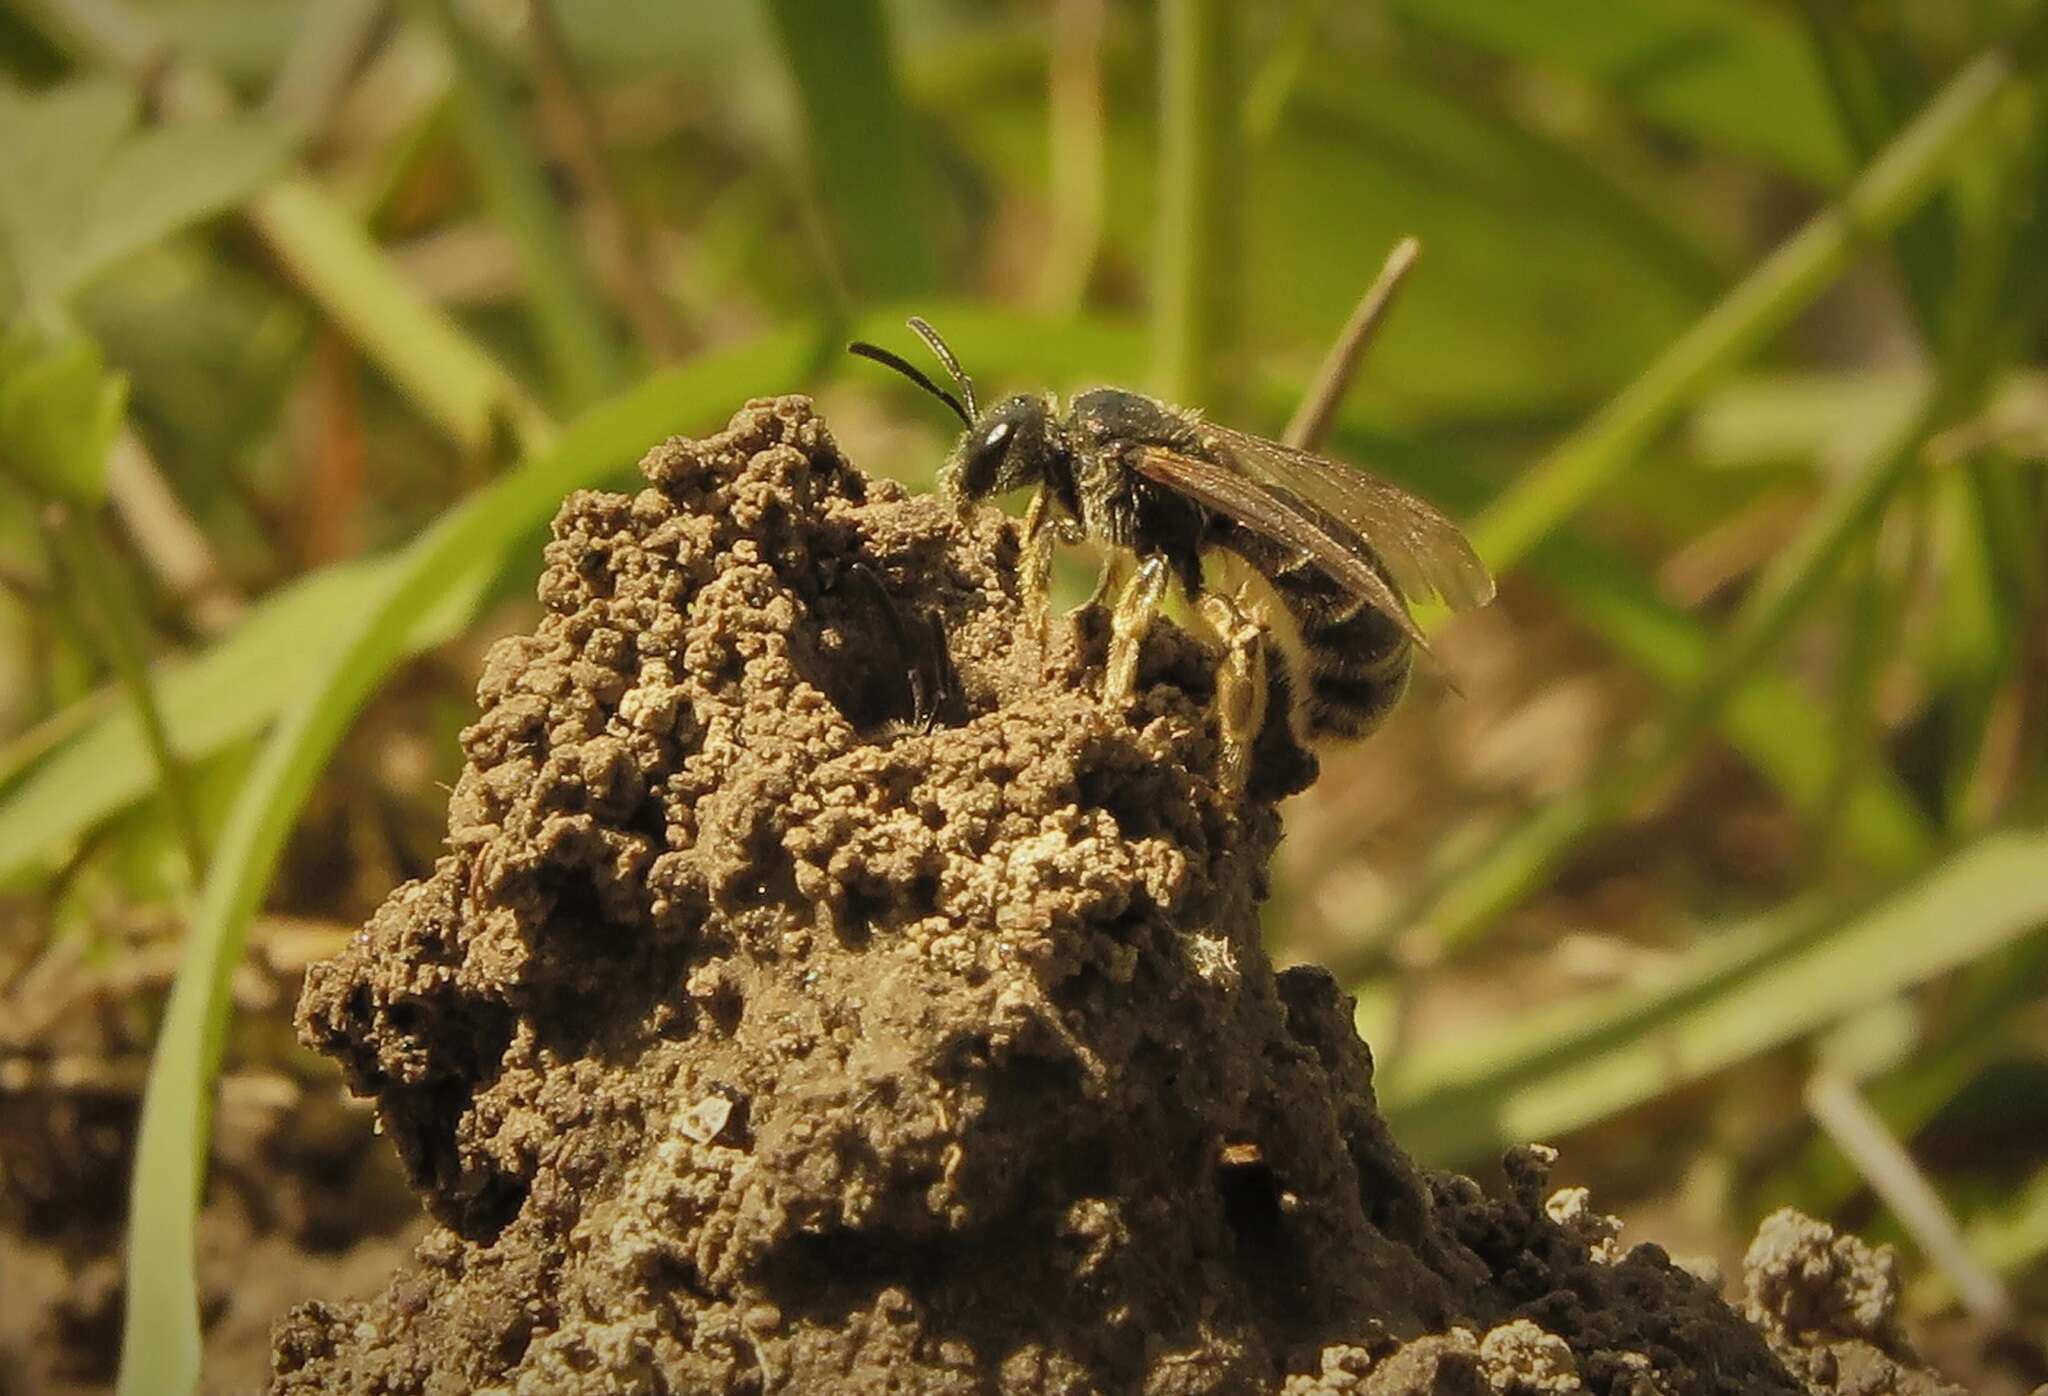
995	436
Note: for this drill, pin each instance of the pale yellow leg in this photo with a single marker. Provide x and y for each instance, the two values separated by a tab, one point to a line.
1035	566
1137	606
1240	685
1115	574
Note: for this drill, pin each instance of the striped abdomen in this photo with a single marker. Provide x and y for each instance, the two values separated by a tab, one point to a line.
1356	660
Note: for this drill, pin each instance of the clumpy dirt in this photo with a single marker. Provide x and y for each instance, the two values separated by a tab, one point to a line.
750	1037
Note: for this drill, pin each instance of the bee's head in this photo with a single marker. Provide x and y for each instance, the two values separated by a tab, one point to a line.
1003	449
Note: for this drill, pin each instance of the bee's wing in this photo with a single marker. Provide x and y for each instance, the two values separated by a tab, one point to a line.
1424	552
1276	515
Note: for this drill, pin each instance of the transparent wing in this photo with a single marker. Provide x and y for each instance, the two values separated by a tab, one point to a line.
1271	513
1423	551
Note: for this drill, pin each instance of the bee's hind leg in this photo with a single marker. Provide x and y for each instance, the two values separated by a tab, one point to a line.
1240	686
1137	606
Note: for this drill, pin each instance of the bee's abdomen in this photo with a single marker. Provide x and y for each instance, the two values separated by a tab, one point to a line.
1355	660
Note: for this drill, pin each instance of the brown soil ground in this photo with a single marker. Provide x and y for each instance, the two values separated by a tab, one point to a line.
301	1198
750	1038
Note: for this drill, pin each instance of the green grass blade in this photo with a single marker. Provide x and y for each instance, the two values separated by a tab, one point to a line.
437	366
168	178
1198	268
1732	74
211	701
1892	186
1519	863
434	363
859	143
80	190
161	1343
1739	994
121	633
1982	1016
1923	243
575	332
1768	719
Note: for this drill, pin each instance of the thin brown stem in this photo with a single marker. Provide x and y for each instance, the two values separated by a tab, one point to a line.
333	452
572	123
167	539
84	558
1312	419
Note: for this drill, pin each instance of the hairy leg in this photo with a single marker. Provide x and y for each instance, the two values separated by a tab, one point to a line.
1035	566
1137	606
1116	570
1240	684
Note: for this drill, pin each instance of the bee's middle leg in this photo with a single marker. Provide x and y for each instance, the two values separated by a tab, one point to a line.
1137	606
1240	685
1114	576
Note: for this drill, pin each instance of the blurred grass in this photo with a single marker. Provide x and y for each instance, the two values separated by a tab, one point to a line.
1739	994
1761	305
1196	298
569	320
1737	76
861	155
1194	191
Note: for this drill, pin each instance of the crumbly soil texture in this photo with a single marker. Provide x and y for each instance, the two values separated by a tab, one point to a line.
824	991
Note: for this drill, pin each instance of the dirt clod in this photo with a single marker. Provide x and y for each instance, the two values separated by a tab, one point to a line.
1830	1305
750	1038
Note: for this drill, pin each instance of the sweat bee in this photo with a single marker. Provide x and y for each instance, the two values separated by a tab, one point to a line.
1322	557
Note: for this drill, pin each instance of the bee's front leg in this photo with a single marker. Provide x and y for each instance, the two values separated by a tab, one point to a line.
1034	582
1240	686
1136	608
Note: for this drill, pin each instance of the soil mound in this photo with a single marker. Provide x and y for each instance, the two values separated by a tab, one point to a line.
751	1037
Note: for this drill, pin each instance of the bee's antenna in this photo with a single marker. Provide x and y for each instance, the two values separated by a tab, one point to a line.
890	359
945	355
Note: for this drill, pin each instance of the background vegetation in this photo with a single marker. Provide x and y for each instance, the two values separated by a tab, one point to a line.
1729	871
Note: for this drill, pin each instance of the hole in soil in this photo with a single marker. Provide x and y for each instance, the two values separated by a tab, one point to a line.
1127	794
486	1215
924	895
576	928
593	972
1254	1210
1251	1206
855	924
870	654
826	1275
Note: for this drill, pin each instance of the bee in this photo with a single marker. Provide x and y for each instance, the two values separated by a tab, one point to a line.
1319	556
